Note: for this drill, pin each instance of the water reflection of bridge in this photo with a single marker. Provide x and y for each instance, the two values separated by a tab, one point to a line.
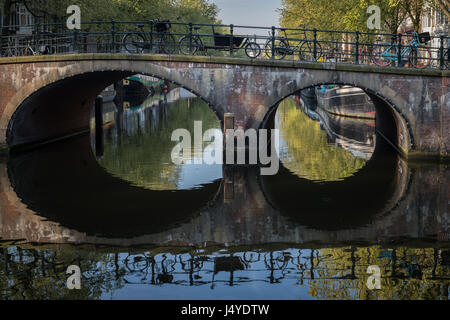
107	210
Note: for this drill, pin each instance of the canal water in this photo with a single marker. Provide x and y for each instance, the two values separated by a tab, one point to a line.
141	227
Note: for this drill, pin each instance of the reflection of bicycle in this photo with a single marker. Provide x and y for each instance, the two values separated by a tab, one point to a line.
282	47
137	42
418	56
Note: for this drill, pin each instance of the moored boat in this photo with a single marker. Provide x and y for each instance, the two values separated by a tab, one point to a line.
345	101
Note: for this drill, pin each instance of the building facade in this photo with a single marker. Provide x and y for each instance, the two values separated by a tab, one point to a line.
20	20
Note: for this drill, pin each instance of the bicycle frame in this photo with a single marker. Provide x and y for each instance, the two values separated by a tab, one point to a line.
406	50
291	49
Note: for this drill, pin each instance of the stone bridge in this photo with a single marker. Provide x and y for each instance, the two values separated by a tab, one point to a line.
43	98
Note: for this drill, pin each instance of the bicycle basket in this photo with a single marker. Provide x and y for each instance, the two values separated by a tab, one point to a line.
162	26
424	37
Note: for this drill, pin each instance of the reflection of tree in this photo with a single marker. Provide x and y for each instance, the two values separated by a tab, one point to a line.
308	154
41	274
406	274
140	152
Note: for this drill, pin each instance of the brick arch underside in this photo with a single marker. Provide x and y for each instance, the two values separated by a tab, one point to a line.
60	108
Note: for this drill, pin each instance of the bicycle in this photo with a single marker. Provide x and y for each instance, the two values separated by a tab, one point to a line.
11	49
190	45
137	42
446	58
366	51
419	57
30	51
283	47
334	54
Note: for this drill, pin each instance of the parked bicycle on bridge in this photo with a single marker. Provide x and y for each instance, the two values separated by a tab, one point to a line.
191	44
307	49
137	42
10	48
417	55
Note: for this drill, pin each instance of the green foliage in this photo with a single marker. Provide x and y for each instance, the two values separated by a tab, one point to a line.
351	15
406	274
131	10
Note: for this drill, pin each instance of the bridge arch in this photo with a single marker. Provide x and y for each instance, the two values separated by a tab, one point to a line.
390	120
34	113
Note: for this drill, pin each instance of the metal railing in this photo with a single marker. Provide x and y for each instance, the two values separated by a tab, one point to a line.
153	36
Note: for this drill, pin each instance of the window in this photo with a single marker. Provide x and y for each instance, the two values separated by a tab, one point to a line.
21	16
441	18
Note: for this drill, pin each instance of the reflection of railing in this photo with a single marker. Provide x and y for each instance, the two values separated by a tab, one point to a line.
380	49
31	267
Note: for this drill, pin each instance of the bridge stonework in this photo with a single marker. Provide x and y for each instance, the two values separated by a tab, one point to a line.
45	97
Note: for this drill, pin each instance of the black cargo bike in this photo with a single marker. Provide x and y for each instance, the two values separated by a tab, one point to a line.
191	44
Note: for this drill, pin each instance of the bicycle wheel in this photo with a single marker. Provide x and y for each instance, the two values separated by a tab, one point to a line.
363	55
167	44
188	46
420	57
253	50
384	54
10	52
306	51
134	43
28	51
281	48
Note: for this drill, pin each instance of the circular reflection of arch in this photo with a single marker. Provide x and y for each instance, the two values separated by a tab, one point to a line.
64	183
332	205
138	147
311	149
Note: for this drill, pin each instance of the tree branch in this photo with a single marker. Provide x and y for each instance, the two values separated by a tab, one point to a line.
444	5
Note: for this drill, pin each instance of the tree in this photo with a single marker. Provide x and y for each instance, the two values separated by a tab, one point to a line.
415	10
6	6
348	15
444	5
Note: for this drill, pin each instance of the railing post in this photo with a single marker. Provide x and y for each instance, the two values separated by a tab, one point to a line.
273	42
441	53
190	37
151	35
231	40
75	41
399	52
315	44
113	36
357	48
38	35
